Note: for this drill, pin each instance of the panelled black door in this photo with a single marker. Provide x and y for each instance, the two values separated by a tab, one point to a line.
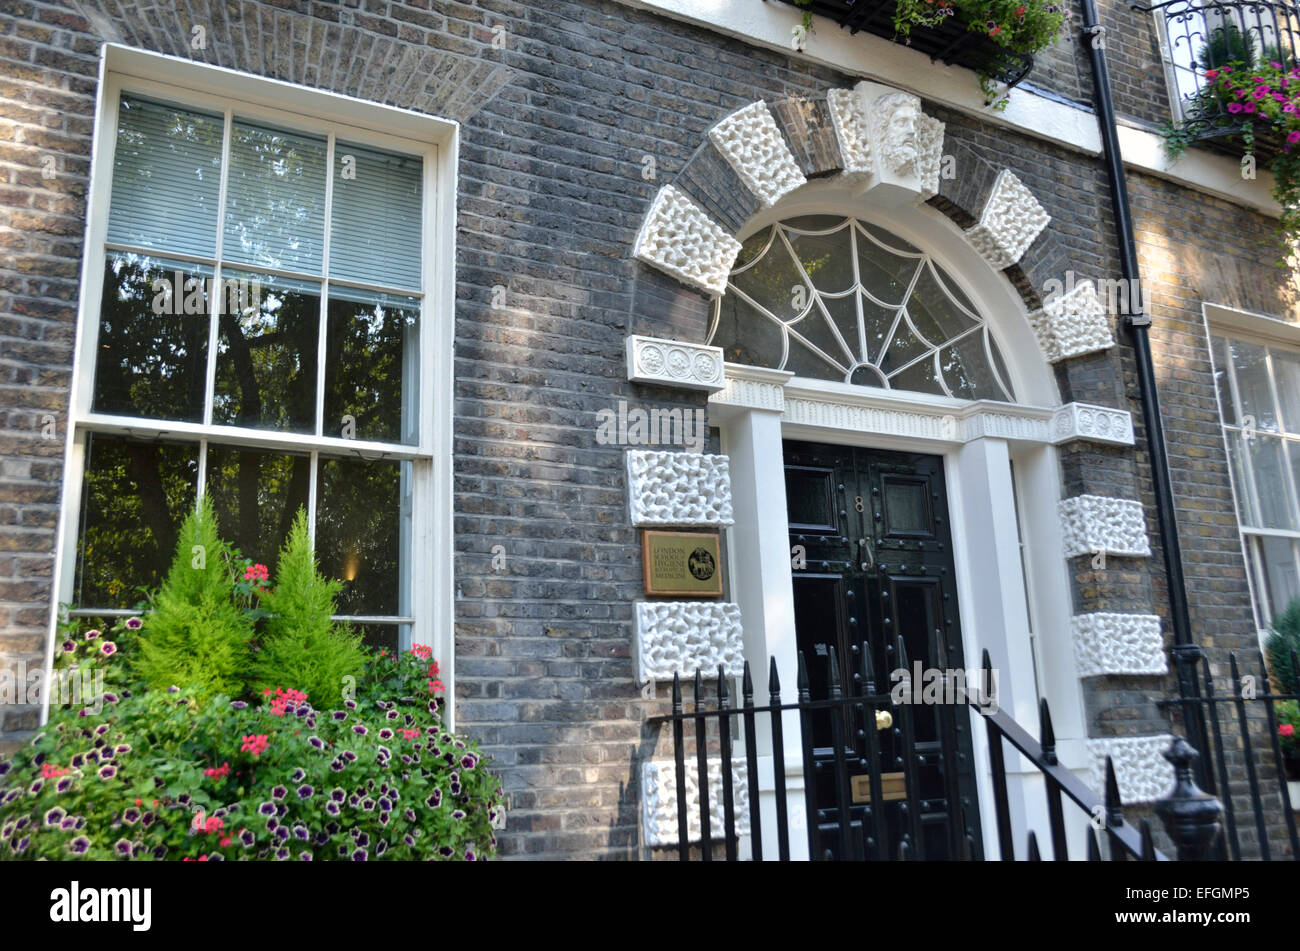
872	559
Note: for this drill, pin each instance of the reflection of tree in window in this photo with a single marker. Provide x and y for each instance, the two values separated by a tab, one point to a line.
266	359
256	495
357	532
134	497
149	364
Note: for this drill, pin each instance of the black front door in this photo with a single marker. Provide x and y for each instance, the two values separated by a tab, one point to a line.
872	560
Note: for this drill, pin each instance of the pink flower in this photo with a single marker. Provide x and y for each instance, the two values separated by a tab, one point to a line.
1248	107
108	649
1234	107
1287	729
254	743
1293	137
1261	91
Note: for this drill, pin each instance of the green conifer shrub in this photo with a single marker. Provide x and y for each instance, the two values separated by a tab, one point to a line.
302	648
196	636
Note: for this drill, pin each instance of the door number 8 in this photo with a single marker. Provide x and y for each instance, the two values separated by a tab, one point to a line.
857	503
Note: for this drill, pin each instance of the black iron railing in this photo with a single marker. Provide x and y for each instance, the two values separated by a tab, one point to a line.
951	43
1231	710
1199	36
857	809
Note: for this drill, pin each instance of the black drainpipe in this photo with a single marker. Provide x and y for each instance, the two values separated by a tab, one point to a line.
1186	653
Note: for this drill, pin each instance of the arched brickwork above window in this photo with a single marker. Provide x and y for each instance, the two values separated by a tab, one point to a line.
879	141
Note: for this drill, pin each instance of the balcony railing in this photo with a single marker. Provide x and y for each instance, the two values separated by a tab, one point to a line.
952	43
1200	36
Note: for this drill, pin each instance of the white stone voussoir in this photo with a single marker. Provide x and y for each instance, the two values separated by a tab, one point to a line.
1072	324
1092	524
681	240
929	159
678	488
1012	218
1106	643
681	637
753	145
851	132
1141	770
692	366
659	800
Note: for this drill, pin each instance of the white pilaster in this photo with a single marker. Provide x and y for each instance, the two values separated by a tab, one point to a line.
763	586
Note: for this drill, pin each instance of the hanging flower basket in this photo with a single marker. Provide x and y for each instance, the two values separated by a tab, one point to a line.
995	38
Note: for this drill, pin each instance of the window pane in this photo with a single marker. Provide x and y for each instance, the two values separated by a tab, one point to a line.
968	371
827	258
256	495
134	498
1227	407
267	356
1271	488
358	531
1280	567
1247	510
1252	384
389	637
372	186
1286	374
275	199
151	356
166	175
934	313
372	366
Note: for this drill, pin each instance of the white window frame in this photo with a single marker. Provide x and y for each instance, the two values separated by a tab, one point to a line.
435	140
1261	330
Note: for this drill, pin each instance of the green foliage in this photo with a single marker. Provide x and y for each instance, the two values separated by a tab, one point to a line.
1278	646
1227	46
161	774
196	636
302	648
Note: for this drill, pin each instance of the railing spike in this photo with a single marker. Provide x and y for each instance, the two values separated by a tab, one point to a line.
699	688
901	652
747	687
1236	675
868	675
1046	733
1114	807
1034	854
773	681
801	681
835	690
1094	847
986	662
677	692
724	698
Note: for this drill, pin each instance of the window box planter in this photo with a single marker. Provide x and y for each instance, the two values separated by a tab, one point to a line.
1199	41
951	43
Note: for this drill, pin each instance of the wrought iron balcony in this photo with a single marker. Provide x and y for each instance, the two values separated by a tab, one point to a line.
952	43
1204	35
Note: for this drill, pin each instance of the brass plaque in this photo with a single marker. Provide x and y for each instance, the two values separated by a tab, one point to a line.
892	786
682	563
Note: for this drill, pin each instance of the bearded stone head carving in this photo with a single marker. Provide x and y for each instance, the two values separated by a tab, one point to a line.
895	117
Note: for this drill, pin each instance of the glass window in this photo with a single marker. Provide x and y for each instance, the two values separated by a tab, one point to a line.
838	299
260	310
1259	403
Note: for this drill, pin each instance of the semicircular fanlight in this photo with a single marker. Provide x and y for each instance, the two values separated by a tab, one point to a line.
835	298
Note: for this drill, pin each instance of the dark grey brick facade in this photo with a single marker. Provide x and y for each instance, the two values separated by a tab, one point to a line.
557	125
